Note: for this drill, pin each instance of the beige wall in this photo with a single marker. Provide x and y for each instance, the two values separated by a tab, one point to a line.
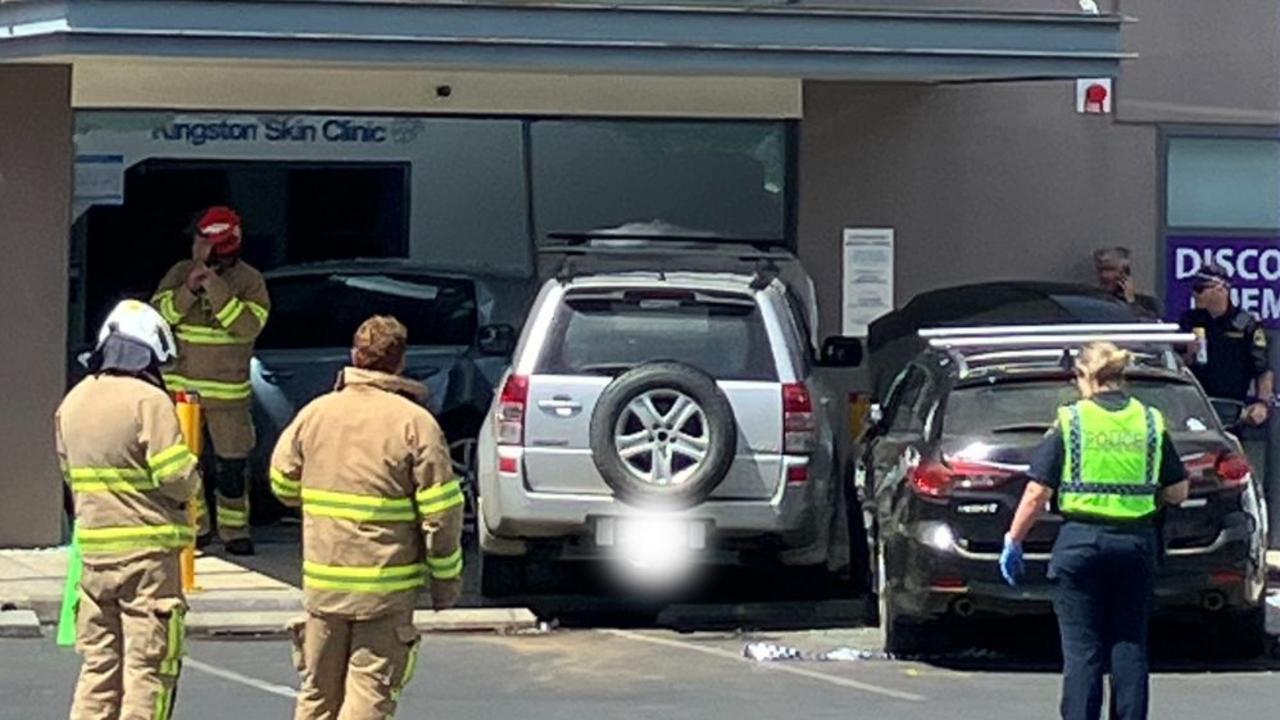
982	182
35	182
1201	62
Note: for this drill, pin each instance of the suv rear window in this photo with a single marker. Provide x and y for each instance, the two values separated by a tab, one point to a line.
608	334
1032	406
324	310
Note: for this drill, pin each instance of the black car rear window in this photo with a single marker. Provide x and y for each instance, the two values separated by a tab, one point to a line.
610	334
324	310
1031	406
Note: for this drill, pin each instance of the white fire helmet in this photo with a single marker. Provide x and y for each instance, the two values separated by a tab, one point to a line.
139	321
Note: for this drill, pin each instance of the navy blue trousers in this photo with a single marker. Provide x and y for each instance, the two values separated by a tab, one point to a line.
1104	579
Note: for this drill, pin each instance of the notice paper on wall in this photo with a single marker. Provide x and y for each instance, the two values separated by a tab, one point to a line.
868	278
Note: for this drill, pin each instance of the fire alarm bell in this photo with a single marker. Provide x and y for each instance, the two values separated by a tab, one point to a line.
1093	96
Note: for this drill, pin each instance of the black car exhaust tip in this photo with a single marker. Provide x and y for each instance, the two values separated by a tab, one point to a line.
963	607
1213	601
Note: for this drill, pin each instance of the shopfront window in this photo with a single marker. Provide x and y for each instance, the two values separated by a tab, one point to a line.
1224	183
727	178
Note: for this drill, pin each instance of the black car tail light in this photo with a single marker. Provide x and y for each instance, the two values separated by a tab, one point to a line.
1222	471
1233	470
939	479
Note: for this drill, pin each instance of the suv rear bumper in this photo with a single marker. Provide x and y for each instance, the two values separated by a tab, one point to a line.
516	517
1221	576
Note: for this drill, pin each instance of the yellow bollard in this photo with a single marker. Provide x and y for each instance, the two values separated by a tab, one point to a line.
189	417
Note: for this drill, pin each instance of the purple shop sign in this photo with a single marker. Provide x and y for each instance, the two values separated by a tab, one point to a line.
1254	264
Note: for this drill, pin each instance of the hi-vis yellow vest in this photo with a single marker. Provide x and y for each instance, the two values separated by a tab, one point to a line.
1112	460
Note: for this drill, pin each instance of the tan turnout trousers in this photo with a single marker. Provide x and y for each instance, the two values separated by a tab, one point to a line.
130	634
353	669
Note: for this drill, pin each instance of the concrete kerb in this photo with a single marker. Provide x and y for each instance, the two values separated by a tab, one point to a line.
20	624
271	624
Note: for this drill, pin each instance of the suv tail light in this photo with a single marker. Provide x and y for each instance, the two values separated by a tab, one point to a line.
797	420
511	408
938	480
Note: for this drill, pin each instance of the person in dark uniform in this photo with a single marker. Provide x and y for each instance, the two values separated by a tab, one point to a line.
1232	356
1111	464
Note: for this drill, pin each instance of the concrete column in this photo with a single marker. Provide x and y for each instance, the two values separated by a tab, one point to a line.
35	197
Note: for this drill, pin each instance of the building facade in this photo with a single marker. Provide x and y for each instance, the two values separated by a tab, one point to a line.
463	135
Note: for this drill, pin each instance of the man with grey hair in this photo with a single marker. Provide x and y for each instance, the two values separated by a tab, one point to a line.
1115	276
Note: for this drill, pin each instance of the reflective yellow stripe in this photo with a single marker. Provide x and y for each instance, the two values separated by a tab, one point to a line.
410	665
89	473
369	501
121	486
283	486
359	514
446	568
171	462
361	508
232	518
172	663
169	311
230	312
128	480
200	335
440	498
258	311
142	537
394	578
209	388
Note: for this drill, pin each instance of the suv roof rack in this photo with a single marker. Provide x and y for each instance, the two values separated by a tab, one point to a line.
671	249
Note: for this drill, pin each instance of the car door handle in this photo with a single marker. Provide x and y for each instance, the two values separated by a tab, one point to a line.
563	407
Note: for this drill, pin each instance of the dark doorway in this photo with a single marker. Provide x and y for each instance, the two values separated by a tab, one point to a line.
292	213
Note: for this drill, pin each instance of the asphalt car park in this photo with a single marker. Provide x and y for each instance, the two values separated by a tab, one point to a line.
611	673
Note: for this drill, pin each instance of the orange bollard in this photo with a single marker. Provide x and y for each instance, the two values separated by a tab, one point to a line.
189	417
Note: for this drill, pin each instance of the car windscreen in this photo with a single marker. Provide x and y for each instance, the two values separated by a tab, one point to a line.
611	333
1031	406
324	310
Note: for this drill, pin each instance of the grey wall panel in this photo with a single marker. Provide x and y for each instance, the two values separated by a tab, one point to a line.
1202	62
35	182
982	182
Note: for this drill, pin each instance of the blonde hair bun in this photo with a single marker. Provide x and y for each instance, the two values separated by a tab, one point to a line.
1103	362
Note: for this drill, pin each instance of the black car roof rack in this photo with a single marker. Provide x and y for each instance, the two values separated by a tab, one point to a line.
1002	346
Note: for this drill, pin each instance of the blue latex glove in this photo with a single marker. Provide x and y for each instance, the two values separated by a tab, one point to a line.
1011	565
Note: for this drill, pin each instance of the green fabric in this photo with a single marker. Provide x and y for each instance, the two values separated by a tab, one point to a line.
71	593
1112	460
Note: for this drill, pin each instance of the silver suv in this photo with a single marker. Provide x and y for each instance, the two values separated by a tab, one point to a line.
690	394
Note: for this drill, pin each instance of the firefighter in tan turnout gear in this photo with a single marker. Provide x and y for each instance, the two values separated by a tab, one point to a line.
217	305
122	451
382	517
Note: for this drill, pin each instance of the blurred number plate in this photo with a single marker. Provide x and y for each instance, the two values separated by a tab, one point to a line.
627	532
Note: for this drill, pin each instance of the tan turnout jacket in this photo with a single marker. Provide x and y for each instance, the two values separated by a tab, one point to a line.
121	449
382	512
215	330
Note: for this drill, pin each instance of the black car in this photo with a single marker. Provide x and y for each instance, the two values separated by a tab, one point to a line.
942	472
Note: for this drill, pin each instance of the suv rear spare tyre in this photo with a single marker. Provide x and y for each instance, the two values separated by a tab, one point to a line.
663	436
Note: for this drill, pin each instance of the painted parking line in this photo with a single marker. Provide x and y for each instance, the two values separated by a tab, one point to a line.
235	677
779	667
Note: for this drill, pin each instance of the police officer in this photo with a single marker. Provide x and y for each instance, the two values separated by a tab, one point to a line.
1233	352
1111	463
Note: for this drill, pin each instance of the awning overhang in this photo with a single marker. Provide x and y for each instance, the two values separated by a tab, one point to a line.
794	41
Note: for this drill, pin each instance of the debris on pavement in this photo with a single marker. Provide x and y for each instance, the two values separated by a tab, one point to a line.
847	654
770	652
